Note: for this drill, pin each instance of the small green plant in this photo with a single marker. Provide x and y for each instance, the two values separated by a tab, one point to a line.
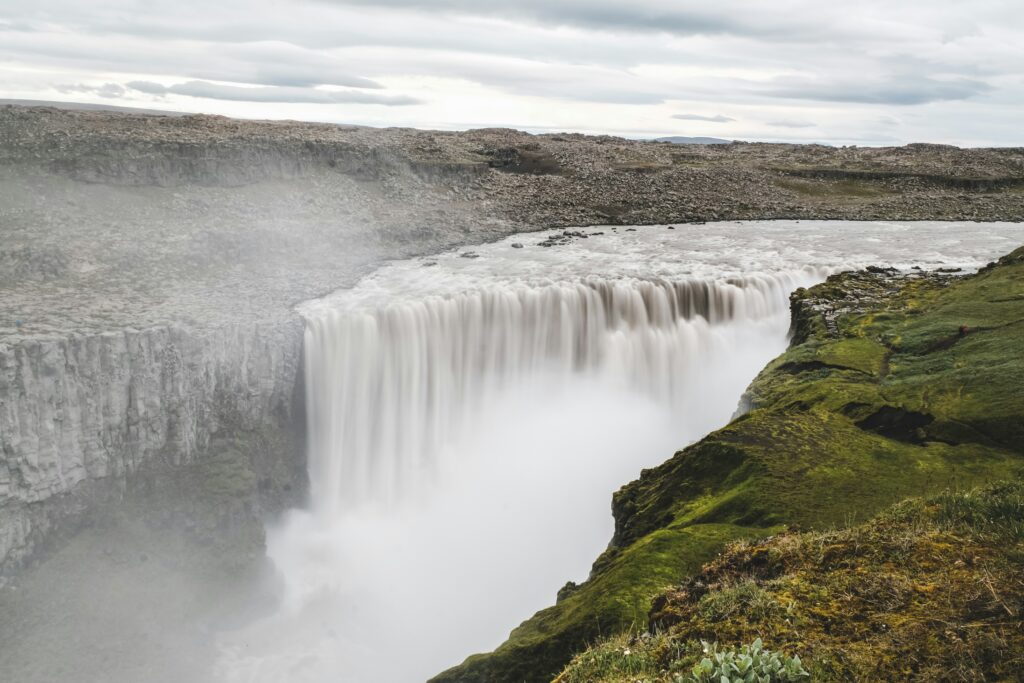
747	664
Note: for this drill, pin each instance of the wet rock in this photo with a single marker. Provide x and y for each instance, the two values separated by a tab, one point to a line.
882	270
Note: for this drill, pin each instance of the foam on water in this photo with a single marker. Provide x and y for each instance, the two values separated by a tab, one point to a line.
469	418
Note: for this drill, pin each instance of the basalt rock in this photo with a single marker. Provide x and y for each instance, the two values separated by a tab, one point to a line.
100	409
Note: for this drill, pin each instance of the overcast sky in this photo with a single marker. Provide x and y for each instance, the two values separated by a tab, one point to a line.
869	72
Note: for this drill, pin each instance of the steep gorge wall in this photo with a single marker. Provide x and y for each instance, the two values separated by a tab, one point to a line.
88	409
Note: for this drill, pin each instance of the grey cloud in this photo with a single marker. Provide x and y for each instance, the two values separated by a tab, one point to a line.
603	95
561	81
583	91
339	25
108	90
718	118
261	63
307	76
613	15
149	87
578	55
235	93
284	64
906	90
20	26
792	124
312	21
259	43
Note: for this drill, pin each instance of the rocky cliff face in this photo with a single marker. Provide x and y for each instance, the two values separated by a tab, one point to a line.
96	408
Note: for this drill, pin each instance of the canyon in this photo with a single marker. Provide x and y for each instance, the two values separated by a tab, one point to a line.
154	271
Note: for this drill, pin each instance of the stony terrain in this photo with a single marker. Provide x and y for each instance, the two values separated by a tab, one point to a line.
894	386
116	220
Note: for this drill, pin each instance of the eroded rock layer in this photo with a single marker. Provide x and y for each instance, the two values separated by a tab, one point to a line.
99	407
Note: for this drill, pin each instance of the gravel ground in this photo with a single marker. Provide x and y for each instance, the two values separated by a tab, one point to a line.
117	220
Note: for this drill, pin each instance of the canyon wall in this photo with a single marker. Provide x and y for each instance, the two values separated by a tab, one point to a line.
90	408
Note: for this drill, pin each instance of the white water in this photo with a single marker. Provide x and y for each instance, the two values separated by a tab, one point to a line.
469	419
392	388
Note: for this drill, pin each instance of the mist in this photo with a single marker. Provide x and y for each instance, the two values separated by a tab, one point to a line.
400	592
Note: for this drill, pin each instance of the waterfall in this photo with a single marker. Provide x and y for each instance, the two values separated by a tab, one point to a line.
389	387
469	419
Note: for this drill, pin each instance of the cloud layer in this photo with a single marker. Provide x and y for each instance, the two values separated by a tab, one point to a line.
717	118
276	93
877	72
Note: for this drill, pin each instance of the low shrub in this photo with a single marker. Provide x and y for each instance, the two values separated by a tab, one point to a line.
746	664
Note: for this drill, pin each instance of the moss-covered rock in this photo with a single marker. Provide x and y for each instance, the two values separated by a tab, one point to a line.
894	386
928	590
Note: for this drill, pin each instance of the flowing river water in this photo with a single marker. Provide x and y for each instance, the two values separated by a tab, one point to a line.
471	413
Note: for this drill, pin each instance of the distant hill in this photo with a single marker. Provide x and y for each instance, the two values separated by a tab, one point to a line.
84	106
680	140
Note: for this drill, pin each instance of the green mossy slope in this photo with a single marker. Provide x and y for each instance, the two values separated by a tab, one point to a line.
929	590
893	387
